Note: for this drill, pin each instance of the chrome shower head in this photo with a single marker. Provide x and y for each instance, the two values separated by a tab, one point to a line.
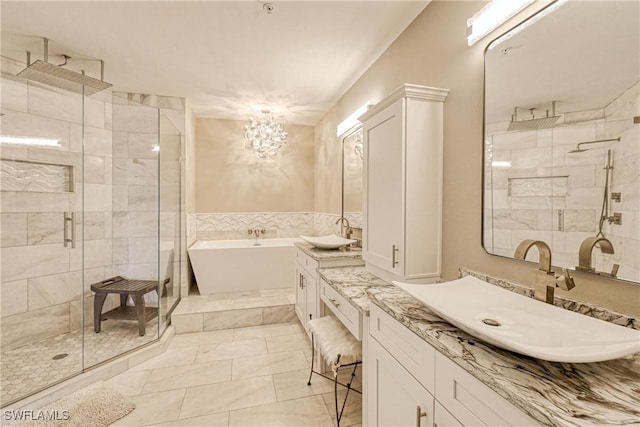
529	124
578	149
534	123
54	75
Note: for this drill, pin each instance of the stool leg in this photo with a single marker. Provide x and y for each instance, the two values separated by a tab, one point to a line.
335	394
98	302
139	302
313	357
335	391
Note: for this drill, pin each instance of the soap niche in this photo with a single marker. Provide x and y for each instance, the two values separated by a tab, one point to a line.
36	177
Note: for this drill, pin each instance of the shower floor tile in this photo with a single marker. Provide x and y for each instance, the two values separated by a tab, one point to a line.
30	368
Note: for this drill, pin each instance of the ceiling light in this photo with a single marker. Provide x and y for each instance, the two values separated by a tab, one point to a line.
264	136
352	120
491	16
29	140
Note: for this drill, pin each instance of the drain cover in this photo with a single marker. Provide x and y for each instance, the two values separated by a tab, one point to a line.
59	356
490	322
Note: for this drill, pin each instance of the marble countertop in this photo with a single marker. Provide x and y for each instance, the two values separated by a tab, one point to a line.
324	254
554	394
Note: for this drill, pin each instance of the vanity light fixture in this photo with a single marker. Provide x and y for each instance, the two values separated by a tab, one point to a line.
30	140
491	16
352	120
535	18
500	164
264	136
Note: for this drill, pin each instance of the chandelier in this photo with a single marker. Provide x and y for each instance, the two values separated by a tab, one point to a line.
264	136
358	146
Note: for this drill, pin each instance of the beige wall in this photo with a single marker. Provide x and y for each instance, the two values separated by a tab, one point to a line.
433	51
231	179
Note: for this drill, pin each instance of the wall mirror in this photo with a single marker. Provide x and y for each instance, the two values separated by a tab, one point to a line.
352	177
561	150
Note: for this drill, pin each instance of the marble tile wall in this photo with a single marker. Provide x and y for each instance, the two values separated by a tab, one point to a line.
139	123
551	194
223	226
41	280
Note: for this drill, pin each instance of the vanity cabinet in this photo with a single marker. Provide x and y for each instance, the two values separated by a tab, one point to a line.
306	294
402	184
405	373
396	398
307	280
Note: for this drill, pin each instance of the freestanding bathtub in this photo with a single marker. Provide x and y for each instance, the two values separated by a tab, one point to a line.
242	265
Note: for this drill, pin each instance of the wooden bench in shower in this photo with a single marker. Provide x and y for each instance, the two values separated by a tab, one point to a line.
125	287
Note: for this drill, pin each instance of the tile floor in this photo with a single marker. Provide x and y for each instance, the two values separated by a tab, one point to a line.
253	376
29	368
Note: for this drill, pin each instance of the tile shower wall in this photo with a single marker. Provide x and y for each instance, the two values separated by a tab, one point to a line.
135	191
41	280
550	194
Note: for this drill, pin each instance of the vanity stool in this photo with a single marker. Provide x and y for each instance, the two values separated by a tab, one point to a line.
339	348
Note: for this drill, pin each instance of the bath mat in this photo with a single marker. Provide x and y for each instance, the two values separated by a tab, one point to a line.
93	406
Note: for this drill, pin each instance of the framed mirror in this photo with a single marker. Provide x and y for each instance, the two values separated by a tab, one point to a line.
352	177
562	137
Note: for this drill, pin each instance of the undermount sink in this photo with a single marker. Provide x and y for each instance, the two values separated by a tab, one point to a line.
525	325
331	241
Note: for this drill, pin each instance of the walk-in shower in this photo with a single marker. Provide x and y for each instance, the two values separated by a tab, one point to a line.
90	189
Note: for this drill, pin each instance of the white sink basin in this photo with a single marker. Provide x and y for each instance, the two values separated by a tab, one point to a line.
331	241
525	325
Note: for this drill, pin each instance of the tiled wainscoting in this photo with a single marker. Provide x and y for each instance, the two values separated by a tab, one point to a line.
223	226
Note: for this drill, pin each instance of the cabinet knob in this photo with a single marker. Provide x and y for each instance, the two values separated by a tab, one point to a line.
419	414
337	304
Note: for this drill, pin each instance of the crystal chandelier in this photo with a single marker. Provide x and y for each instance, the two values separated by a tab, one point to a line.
264	136
358	147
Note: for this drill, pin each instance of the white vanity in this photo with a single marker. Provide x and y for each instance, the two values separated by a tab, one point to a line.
420	370
308	261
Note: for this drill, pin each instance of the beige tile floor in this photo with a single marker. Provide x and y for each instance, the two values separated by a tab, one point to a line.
255	376
30	368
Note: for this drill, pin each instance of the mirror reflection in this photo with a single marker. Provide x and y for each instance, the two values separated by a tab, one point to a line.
352	177
562	151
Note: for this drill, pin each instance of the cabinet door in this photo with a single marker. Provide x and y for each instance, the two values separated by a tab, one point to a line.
383	189
394	397
301	295
310	285
444	419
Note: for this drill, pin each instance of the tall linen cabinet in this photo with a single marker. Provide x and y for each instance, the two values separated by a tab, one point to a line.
402	184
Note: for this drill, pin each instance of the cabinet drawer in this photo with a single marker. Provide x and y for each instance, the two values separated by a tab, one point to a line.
347	313
471	402
410	350
308	263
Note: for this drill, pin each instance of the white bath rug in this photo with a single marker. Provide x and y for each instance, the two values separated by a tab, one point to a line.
93	406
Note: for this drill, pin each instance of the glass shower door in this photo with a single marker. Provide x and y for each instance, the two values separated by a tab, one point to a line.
41	158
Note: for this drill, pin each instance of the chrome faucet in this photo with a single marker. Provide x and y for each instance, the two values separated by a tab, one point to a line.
586	249
344	231
546	280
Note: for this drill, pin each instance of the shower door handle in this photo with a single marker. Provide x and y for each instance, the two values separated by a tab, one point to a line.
394	251
66	239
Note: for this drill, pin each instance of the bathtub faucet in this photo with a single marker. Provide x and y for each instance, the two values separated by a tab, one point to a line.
257	232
